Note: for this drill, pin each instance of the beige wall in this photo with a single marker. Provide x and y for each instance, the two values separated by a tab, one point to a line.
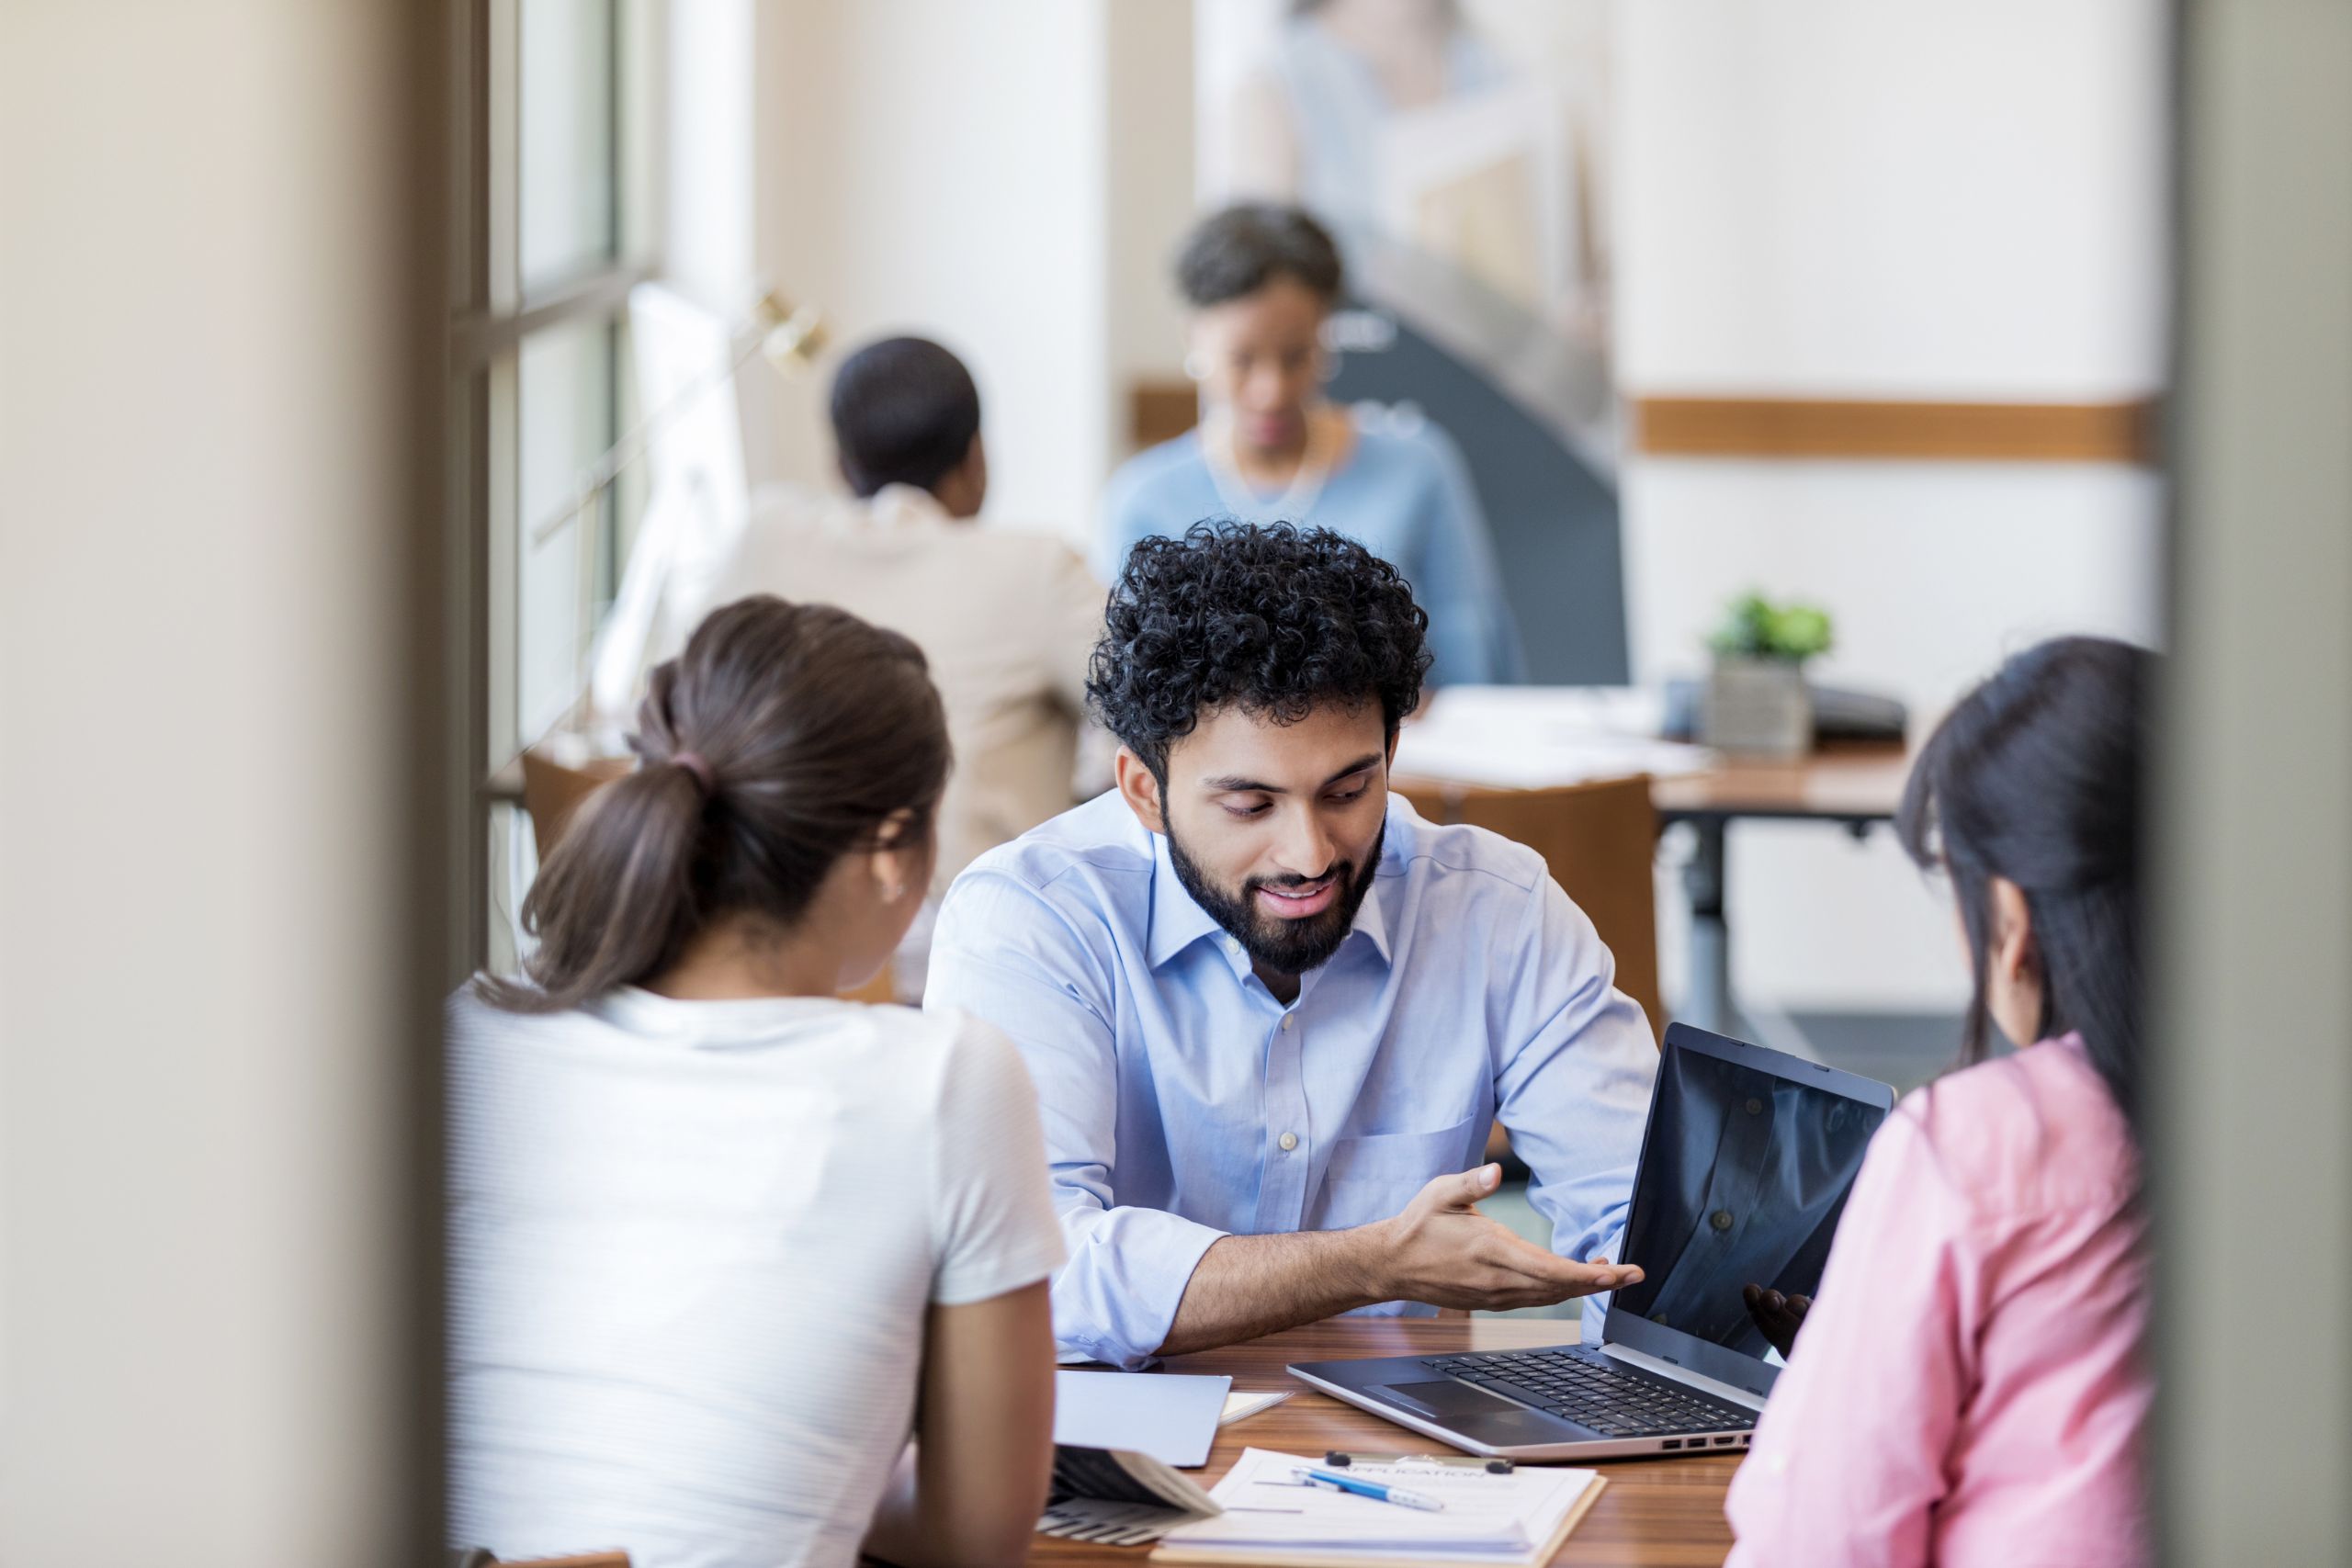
1151	185
1013	180
939	167
216	221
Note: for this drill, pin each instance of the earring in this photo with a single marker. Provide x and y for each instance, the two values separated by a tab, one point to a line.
1195	367
897	892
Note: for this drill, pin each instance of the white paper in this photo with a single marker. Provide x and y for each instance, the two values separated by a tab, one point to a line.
1487	1519
1542	737
1239	1406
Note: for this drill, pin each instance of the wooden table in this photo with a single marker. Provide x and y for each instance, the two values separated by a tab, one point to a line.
1849	784
1661	1512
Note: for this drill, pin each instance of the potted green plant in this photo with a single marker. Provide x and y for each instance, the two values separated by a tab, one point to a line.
1756	699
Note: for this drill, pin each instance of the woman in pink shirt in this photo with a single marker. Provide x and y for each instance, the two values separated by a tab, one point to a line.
1971	1386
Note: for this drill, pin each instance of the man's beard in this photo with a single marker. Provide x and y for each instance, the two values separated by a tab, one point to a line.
1286	947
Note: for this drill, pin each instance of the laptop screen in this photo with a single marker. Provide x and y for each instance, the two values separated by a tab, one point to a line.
1744	1173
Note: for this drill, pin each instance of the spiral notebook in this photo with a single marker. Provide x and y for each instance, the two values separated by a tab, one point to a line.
1513	1521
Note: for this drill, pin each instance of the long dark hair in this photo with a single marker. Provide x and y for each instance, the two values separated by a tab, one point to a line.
783	739
2036	777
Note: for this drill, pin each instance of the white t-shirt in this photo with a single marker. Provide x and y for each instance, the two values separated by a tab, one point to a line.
691	1248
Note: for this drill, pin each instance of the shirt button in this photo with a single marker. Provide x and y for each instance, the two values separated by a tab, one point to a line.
1286	1018
1722	1220
1233	946
1755	1107
1289	1142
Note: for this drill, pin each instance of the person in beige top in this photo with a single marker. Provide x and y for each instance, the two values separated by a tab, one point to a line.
1006	617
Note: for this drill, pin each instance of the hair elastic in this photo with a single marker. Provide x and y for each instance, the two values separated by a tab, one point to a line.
693	763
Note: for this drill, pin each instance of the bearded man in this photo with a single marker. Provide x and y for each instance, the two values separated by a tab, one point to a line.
1272	1012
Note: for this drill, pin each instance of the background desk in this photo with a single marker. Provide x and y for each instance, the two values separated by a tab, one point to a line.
1852	786
1664	1513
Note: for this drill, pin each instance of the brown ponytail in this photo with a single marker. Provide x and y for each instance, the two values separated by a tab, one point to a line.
783	739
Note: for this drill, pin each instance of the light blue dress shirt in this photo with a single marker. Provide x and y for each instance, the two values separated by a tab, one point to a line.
1403	493
1183	1104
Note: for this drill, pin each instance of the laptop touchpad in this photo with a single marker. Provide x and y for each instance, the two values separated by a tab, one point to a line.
1476	1414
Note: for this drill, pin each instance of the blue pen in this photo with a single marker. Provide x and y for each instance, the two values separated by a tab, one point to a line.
1331	1482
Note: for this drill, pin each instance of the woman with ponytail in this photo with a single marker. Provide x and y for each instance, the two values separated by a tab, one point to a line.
1971	1387
722	1242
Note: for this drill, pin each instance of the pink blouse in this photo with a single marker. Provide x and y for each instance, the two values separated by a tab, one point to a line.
1970	1387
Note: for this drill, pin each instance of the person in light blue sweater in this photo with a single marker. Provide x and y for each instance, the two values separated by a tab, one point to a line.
1262	279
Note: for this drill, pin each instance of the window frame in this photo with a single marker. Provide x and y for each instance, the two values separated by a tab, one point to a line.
492	314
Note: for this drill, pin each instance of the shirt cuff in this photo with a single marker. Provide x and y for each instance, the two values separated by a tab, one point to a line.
1116	1298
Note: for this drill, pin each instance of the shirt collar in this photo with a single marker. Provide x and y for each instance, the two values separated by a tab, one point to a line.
1372	917
901	506
1177	920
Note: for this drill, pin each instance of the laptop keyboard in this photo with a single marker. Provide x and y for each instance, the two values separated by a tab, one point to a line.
1587	1387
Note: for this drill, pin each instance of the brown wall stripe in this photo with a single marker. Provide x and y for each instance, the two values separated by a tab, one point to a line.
1814	427
1824	427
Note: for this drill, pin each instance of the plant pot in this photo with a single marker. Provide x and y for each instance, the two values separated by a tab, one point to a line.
1759	707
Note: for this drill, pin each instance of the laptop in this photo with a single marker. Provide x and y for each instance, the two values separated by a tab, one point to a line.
1745	1167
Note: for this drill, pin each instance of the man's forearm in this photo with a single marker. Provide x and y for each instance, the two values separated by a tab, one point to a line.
1247	1285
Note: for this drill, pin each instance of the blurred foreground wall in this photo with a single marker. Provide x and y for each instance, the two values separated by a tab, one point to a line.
2254	998
220	264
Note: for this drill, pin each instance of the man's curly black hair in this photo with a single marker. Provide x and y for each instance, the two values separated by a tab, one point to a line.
1272	617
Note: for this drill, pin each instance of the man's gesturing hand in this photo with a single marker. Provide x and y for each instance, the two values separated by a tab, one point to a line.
1442	1251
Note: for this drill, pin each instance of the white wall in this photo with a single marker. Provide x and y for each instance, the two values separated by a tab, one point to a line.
706	248
1149	76
939	167
218	227
1838	198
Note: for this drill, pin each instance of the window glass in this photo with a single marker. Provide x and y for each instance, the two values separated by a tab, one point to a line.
569	140
565	417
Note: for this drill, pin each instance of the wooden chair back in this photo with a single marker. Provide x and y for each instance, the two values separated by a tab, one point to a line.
553	790
1600	840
